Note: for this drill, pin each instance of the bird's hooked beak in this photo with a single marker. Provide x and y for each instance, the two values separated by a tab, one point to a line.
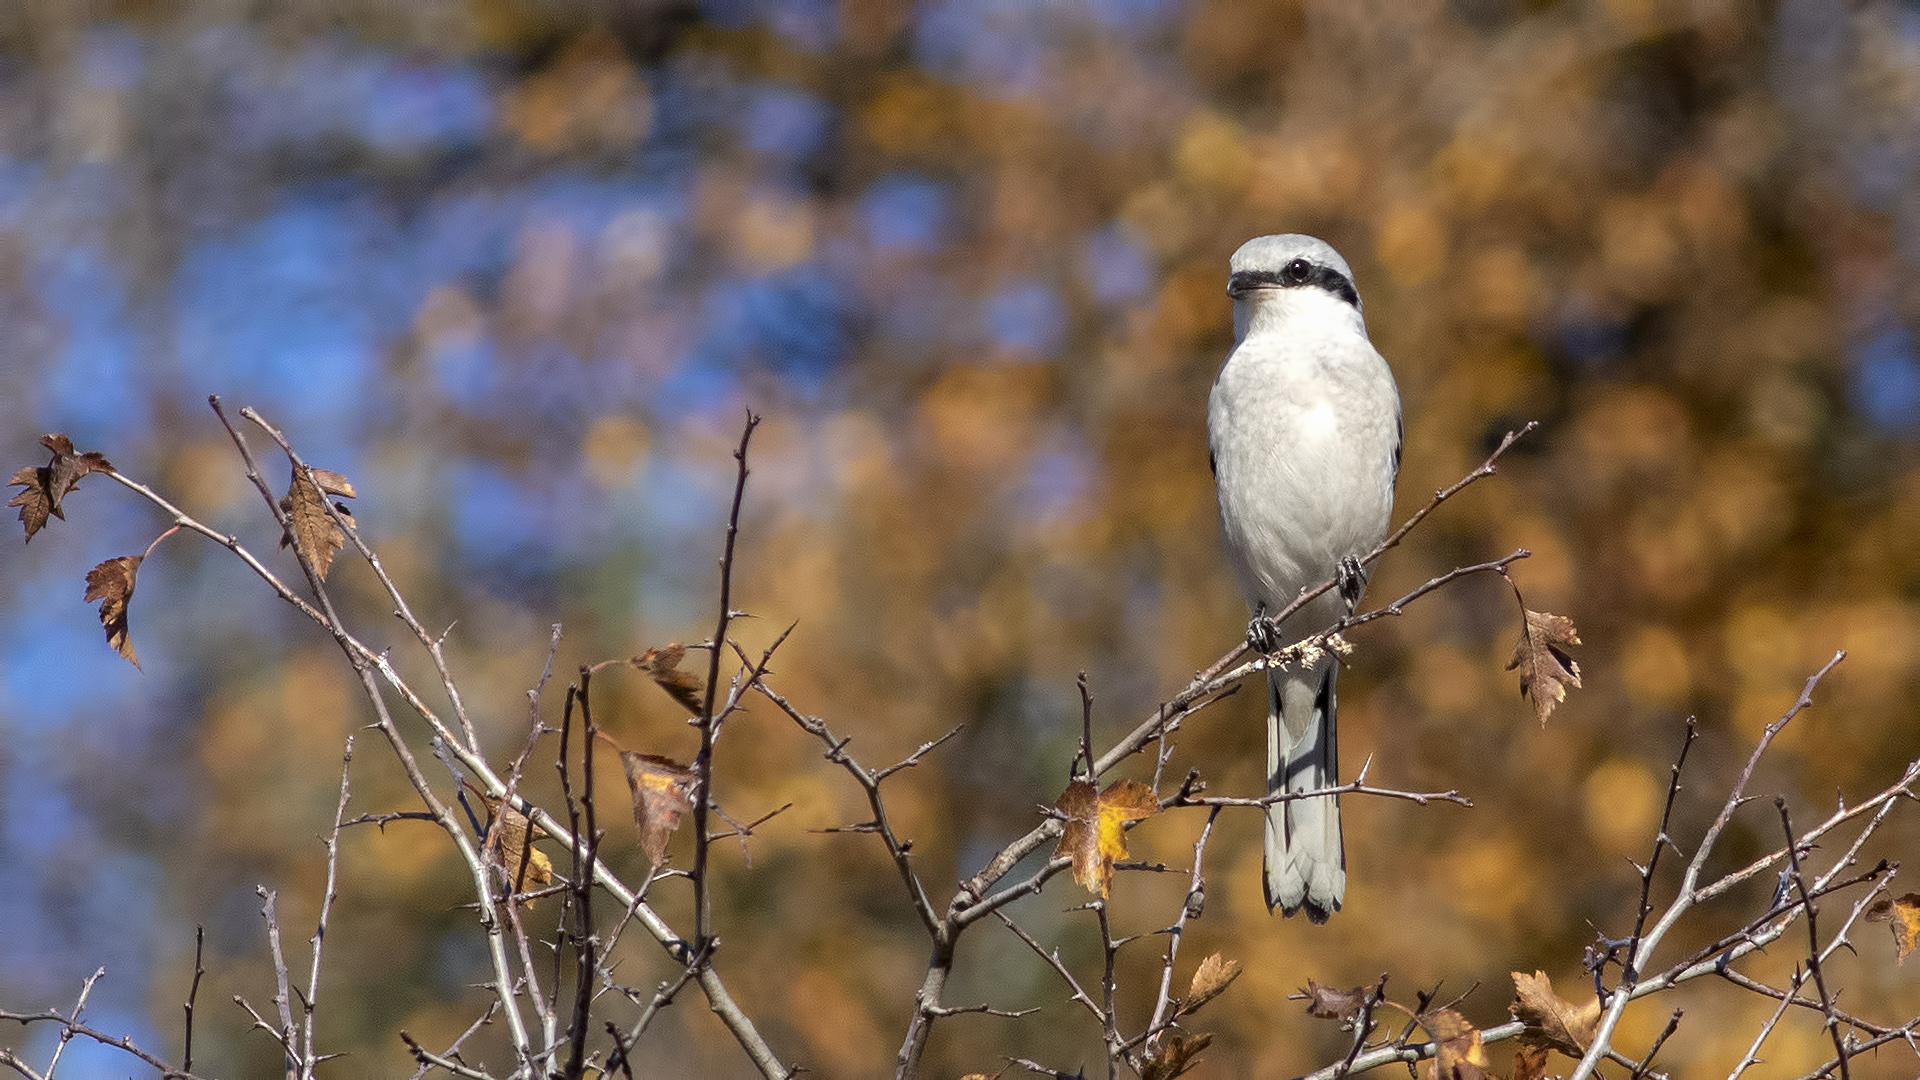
1243	283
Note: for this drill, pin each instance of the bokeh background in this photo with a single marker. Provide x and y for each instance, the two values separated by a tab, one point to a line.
517	268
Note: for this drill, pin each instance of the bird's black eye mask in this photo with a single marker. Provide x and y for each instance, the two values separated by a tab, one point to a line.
1296	274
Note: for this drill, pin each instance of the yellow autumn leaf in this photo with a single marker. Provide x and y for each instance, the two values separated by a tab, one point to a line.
1096	832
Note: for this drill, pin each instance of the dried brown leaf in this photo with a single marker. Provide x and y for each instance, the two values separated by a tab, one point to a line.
663	666
306	505
1095	836
1529	1062
111	583
1551	1020
46	485
33	502
507	830
1461	1055
1212	976
1903	917
1545	670
528	866
1172	1052
662	794
1326	1003
332	483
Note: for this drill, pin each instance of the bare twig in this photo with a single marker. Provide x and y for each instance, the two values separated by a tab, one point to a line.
1661	842
283	994
584	850
453	1051
1109	988
1086	732
370	665
662	998
1044	1070
72	1024
312	996
67	1033
1646	1063
193	991
1759	932
440	1061
1689	894
1190	908
364	662
1799	880
869	782
383	820
1905	1033
1752	1056
703	762
1690	881
913	759
1363	1024
1053	960
1357	786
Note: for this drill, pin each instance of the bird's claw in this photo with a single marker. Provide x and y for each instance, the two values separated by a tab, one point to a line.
1350	579
1263	634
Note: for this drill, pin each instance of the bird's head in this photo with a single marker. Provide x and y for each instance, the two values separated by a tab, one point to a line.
1276	278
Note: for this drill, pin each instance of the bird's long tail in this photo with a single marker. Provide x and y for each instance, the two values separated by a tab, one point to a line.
1305	860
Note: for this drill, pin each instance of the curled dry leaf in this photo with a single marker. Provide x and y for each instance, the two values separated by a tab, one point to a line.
111	583
1172	1052
1545	670
1529	1062
1903	917
334	484
1095	836
1209	979
528	866
306	507
662	665
1552	1021
507	842
1461	1053
1326	1003
662	793
43	487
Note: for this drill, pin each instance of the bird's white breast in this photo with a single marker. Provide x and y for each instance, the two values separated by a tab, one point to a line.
1303	424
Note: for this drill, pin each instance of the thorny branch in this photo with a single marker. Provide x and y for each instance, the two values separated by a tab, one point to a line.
976	897
1716	959
1690	892
703	943
372	665
988	892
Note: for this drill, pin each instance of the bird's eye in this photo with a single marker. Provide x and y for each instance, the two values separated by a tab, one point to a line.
1298	271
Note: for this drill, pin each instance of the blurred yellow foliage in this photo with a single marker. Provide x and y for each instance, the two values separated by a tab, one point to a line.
1213	154
589	98
1411	243
1655	668
1622	802
590	235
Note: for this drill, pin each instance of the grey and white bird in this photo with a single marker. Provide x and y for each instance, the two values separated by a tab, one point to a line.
1303	426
